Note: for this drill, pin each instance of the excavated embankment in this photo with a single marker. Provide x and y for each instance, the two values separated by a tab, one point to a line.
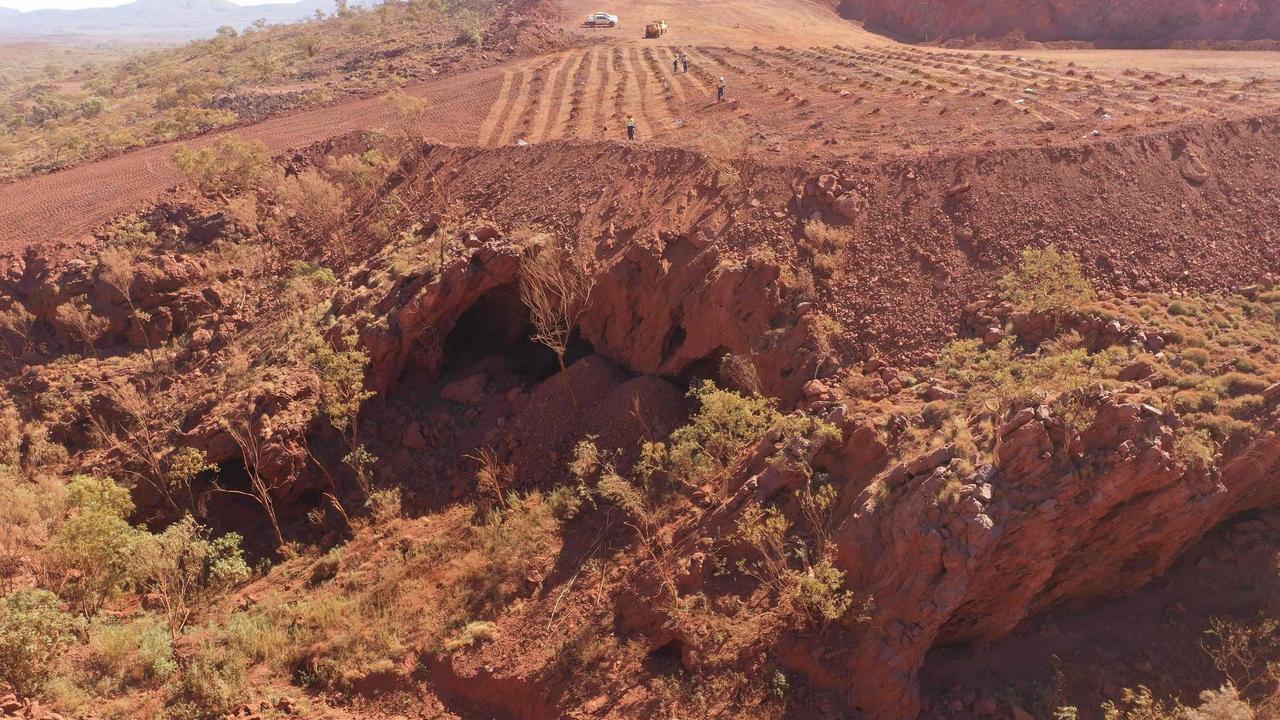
696	259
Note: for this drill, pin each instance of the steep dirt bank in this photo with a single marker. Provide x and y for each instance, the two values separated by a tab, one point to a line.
1149	23
928	233
1188	208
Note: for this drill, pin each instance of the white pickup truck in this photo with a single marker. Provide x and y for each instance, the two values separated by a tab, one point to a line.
601	19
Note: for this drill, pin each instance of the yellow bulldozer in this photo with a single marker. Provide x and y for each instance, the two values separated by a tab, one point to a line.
655	29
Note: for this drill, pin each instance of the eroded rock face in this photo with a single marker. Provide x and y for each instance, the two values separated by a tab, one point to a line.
78	305
655	312
951	557
1029	533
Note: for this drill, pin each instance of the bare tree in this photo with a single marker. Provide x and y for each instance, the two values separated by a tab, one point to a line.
261	489
84	323
493	477
556	285
19	323
116	270
142	433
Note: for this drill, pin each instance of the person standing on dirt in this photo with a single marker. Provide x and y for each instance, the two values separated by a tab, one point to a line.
684	58
631	127
675	63
720	89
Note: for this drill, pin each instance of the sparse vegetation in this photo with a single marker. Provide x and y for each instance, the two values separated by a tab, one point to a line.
231	165
34	631
555	284
1046	281
184	567
63	114
92	556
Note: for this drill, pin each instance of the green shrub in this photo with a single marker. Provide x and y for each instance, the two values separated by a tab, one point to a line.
473	632
1192	401
473	36
257	634
1221	427
1245	365
1197	356
725	424
92	556
1002	377
92	106
232	164
1046	281
1242	406
1236	383
34	631
210	683
131	655
185	567
1194	447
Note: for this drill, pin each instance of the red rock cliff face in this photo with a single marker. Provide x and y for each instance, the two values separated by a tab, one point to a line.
1107	22
1031	531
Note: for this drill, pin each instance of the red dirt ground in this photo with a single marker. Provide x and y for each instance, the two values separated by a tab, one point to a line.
804	86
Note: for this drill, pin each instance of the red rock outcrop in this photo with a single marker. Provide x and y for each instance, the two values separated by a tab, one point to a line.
655	311
961	558
1126	23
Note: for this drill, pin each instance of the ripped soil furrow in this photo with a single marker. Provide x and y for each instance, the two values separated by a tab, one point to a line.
551	80
661	59
663	78
498	111
517	98
652	109
1017	92
532	94
598	88
694	92
617	74
575	96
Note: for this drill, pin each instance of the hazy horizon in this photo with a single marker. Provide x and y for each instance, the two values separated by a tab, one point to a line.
29	5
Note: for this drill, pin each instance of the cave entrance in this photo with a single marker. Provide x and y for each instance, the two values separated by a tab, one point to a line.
232	509
499	324
667	659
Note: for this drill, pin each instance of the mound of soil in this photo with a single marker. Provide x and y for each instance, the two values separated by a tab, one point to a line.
1105	22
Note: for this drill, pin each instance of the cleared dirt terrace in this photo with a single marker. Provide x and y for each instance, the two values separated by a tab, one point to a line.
803	85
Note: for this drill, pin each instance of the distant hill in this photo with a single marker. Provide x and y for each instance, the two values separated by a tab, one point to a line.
154	19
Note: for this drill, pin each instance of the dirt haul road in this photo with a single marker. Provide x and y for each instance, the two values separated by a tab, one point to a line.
803	85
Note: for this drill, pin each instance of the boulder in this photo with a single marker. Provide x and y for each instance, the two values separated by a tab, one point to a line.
849	206
1193	169
466	391
414	437
815	390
